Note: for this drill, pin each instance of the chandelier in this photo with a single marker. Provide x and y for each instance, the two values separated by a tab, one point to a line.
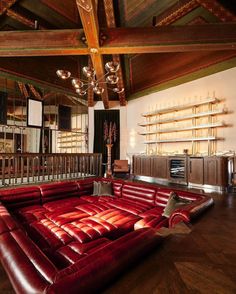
81	86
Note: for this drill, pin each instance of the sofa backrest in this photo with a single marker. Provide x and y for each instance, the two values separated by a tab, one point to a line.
20	197
86	186
139	192
163	194
59	190
116	186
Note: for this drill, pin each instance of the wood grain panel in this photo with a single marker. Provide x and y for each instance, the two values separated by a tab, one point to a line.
66	8
40	69
148	70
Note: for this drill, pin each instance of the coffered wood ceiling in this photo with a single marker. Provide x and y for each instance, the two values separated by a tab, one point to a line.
158	43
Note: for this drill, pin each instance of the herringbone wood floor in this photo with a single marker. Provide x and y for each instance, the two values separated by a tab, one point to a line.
202	261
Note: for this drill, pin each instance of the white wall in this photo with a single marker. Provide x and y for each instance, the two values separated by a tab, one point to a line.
223	84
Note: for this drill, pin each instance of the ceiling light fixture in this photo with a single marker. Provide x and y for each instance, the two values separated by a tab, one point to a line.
81	86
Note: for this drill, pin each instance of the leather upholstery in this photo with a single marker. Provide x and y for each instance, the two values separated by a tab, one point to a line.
7	223
59	190
140	193
83	239
190	211
152	221
20	197
72	252
91	273
29	269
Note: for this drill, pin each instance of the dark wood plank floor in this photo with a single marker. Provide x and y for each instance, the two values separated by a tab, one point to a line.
202	261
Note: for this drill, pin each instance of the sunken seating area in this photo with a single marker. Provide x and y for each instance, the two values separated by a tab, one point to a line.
58	237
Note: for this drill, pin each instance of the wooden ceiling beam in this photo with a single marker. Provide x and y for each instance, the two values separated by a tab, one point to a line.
5	4
88	15
42	43
110	18
220	36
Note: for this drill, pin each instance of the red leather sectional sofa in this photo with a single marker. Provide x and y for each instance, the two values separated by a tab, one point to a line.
57	238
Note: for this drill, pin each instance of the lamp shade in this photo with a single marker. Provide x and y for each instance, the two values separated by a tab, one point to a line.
88	71
112	66
81	92
112	79
98	90
63	74
77	83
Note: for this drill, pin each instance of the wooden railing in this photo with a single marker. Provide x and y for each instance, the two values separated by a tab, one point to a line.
24	168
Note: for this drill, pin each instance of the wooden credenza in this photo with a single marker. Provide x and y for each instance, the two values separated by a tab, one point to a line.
190	170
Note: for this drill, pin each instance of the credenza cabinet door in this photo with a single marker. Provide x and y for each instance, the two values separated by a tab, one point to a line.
195	170
159	167
215	171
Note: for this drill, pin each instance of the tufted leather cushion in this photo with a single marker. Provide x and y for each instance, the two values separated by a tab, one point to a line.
88	229
151	221
122	220
65	215
72	252
47	235
141	193
60	190
153	211
30	214
90	273
131	206
20	197
94	208
62	203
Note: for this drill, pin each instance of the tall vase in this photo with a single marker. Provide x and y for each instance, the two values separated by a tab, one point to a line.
109	170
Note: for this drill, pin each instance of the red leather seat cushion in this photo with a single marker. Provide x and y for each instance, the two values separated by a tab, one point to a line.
94	208
47	235
65	215
131	206
151	221
122	220
72	252
88	229
89	198
153	211
62	203
30	214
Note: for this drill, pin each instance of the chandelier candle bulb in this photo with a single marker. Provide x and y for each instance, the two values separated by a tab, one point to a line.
82	86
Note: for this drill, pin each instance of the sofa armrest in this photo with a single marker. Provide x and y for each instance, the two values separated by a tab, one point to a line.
28	269
188	212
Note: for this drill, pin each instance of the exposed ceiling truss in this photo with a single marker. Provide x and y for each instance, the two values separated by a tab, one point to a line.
96	42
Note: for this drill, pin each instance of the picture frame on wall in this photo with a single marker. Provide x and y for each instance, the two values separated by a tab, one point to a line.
34	113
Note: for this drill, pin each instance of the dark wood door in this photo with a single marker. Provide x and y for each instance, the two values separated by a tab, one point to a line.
159	167
195	170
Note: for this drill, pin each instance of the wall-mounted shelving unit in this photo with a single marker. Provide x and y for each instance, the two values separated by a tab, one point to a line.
198	122
73	141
